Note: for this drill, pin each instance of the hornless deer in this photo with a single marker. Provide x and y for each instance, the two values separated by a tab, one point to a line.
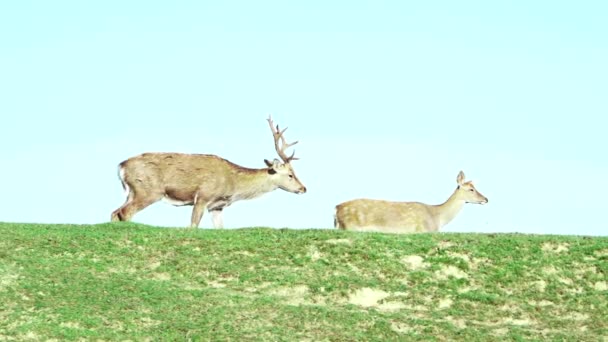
202	180
405	217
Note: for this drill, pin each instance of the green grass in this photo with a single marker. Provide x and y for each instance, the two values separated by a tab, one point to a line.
126	281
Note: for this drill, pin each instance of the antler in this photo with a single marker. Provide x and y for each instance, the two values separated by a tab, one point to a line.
278	135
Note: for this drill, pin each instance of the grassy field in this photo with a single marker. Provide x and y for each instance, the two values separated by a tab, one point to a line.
126	281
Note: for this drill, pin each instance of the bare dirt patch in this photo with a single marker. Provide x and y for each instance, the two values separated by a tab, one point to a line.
354	268
543	303
500	332
550	270
450	271
30	336
565	281
556	248
517	321
577	316
339	242
260	287
153	265
414	262
601	253
161	276
148	322
374	298
70	325
457	322
445	244
216	284
465	257
468	289
314	254
510	308
220	282
445	303
297	295
600	286
541	285
401	328
191	286
391	306
367	297
122	269
7	279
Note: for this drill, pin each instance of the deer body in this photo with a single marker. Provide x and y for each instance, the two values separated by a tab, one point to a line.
201	180
405	217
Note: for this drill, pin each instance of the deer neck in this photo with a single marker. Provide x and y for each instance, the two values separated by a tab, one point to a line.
448	210
254	184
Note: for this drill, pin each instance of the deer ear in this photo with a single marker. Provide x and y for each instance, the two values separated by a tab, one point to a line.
275	164
460	178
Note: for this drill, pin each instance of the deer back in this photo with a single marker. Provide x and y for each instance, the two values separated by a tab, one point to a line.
181	175
384	216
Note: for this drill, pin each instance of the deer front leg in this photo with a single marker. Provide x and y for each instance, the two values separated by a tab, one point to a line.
197	212
216	217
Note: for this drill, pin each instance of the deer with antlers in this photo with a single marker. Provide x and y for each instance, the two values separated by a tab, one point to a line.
203	181
405	217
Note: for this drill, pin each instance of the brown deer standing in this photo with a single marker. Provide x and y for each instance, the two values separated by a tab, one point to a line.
405	217
202	180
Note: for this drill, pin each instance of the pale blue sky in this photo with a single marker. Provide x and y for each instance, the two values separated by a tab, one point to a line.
389	100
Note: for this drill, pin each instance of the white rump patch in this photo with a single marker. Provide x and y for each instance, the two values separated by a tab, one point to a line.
121	176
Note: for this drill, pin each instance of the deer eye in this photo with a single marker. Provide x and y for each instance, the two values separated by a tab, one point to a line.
471	190
290	176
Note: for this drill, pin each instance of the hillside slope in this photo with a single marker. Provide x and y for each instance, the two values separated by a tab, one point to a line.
129	281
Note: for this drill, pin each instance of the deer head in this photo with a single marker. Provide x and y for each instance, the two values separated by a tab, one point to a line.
467	191
283	173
